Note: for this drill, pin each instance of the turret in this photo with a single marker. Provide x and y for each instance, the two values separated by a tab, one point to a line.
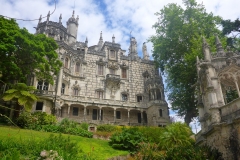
60	19
220	51
72	28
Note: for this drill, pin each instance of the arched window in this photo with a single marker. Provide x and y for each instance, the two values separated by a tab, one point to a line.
77	67
39	85
66	63
160	112
63	88
158	94
45	86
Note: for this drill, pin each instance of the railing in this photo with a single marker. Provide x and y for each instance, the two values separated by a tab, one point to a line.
230	117
230	108
44	92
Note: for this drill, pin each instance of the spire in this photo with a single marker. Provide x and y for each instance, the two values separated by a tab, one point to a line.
100	43
113	39
48	15
60	18
40	19
86	41
220	51
77	18
206	51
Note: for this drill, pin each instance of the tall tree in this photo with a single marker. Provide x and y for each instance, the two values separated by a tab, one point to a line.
232	29
177	43
23	54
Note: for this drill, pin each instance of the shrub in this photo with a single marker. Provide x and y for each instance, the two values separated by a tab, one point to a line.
84	126
106	128
128	139
151	133
79	131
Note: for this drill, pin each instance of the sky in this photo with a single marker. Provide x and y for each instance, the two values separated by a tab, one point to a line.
121	18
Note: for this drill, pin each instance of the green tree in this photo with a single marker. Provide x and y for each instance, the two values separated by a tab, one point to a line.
177	43
232	28
24	54
22	94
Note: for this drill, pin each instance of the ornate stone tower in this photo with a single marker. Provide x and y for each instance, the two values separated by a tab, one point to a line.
72	28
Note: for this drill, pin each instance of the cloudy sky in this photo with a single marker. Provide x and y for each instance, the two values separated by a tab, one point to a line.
118	17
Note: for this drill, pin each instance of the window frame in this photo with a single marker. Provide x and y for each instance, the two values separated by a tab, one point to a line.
124	97
118	114
124	73
75	109
100	69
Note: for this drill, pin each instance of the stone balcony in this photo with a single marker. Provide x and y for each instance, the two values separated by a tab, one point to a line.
113	80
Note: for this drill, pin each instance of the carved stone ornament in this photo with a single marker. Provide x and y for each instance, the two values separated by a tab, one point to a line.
113	65
76	85
146	74
124	66
101	62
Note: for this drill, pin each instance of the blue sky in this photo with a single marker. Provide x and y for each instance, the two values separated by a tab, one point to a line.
118	17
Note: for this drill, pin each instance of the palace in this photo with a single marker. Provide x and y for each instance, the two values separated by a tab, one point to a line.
100	83
219	73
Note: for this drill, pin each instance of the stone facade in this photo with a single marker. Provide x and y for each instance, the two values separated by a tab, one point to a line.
100	83
220	121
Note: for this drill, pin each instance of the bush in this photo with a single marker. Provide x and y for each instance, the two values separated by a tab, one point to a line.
35	120
79	131
84	126
106	128
128	139
151	133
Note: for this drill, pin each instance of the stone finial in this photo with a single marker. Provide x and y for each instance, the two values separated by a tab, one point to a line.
206	51
144	51
60	18
48	15
101	36
220	50
77	18
40	19
73	14
113	39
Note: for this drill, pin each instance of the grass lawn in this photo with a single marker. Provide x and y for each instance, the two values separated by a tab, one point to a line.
95	147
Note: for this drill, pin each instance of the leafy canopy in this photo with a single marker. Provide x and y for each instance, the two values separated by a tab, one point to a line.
177	43
23	54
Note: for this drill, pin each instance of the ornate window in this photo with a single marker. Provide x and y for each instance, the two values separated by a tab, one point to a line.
158	94
66	62
160	112
124	73
118	114
75	111
42	85
63	88
112	54
124	97
75	91
100	69
99	94
77	67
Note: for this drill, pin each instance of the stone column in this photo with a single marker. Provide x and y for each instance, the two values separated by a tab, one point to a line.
129	117
100	114
68	110
141	117
114	115
235	81
59	82
84	113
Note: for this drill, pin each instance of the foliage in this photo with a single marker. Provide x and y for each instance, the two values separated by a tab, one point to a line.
23	53
106	128
231	95
84	126
22	93
35	120
176	134
151	133
128	139
176	45
233	28
78	131
149	151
